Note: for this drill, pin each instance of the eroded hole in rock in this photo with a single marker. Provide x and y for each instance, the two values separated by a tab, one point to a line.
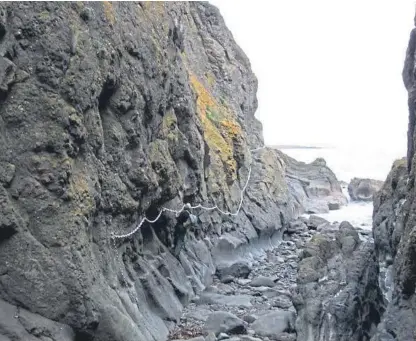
83	336
108	90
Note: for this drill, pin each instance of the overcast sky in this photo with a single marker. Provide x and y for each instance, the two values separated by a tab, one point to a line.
329	70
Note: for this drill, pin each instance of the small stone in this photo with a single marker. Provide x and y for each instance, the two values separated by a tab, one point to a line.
250	318
223	336
211	337
332	206
249	338
7	171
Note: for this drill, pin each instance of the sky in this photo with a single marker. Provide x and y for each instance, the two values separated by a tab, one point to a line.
329	71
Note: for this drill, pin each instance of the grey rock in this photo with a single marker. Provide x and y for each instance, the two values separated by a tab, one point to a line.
394	231
363	189
332	206
314	221
334	275
7	74
274	323
235	270
211	337
282	302
314	186
220	299
296	226
21	324
227	279
199	313
198	338
223	322
7	171
250	318
223	336
249	338
262	281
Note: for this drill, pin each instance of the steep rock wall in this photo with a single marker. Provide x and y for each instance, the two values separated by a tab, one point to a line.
109	112
395	227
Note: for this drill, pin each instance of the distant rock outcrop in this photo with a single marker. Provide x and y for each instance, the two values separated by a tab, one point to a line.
363	189
314	186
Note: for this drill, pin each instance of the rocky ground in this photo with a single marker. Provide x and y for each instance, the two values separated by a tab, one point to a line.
259	306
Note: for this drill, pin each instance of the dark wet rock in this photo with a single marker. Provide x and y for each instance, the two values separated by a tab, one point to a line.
363	189
314	186
337	297
227	279
239	269
388	208
224	322
332	206
274	323
393	228
297	226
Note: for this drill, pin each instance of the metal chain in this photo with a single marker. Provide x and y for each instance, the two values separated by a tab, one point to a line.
189	206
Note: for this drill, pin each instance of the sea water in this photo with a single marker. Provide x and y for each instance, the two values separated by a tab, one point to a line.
348	162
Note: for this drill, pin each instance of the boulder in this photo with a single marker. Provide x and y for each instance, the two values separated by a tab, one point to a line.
363	189
314	221
262	281
274	323
238	269
224	322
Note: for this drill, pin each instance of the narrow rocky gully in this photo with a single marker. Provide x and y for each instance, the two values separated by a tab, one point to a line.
114	118
254	300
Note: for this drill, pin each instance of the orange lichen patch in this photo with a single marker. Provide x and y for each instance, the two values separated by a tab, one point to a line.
233	128
219	124
109	12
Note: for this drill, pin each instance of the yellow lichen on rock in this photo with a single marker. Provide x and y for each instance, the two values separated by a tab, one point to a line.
169	126
109	12
220	126
79	193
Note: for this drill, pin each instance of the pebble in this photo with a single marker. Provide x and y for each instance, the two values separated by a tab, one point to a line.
223	336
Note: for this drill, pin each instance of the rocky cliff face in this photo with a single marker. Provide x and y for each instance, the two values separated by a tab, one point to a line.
109	112
395	228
